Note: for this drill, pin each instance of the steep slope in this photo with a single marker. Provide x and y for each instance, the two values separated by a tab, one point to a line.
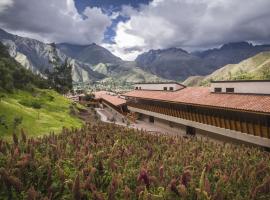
23	104
256	67
92	54
36	56
177	64
193	80
14	76
84	59
231	53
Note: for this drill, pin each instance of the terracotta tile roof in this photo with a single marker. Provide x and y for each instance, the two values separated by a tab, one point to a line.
115	100
203	96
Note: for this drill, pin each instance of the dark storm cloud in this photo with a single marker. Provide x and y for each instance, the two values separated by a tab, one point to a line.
54	20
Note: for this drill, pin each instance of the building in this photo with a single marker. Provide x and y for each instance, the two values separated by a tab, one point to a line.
170	86
238	110
108	100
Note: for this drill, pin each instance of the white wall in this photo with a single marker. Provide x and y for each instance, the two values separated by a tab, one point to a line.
244	87
265	142
156	86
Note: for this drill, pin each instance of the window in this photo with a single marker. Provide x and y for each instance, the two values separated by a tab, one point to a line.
140	88
136	88
171	88
218	90
165	88
230	90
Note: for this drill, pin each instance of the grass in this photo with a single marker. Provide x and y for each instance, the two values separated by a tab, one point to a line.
42	111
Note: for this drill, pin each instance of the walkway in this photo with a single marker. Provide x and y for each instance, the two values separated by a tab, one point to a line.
141	125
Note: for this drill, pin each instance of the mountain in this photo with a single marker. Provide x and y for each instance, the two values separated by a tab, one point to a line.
193	80
256	68
36	56
15	76
86	60
92	54
177	64
173	63
104	62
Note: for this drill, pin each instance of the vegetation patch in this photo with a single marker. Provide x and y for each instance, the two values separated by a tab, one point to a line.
41	111
105	161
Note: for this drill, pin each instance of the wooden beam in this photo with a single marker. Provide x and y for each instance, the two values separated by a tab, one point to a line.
238	125
257	129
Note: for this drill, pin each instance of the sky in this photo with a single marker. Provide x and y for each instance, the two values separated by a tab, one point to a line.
130	27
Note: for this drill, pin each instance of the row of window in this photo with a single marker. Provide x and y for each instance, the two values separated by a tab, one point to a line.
164	88
170	88
228	90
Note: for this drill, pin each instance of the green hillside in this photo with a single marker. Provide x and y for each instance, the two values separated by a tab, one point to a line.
254	68
24	105
40	112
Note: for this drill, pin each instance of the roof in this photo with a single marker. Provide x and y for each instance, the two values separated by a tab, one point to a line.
115	100
202	96
240	81
169	82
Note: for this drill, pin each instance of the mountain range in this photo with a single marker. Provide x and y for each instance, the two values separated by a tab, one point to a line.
178	64
254	68
89	62
94	63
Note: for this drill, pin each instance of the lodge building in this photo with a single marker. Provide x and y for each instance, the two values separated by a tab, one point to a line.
111	101
238	110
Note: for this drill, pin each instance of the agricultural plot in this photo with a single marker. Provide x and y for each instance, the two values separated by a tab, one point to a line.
105	161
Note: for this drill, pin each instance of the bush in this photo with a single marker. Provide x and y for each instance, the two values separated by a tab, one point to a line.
17	121
36	105
31	103
3	121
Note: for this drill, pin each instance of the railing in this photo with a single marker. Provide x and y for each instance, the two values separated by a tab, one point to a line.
252	128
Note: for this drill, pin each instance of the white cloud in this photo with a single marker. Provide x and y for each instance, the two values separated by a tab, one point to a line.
51	20
191	24
4	4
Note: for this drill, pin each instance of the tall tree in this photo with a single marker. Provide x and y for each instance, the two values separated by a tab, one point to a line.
60	76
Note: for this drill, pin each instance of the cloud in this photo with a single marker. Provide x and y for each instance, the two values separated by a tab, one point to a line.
54	21
4	4
191	24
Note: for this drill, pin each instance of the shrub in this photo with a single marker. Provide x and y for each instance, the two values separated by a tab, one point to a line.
31	103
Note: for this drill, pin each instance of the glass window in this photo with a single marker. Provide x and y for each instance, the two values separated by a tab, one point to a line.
218	90
230	90
165	88
171	88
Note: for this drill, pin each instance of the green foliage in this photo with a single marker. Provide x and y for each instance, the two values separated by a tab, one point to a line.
42	111
14	76
33	103
17	121
3	121
106	161
60	76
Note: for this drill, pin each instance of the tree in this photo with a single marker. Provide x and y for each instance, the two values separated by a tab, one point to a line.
15	76
60	76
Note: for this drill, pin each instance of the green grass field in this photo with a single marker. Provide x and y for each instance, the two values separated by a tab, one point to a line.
42	111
